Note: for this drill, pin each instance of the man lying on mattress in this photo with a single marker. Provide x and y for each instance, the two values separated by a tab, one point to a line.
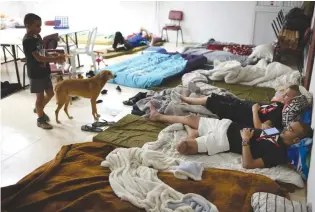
143	37
259	148
245	112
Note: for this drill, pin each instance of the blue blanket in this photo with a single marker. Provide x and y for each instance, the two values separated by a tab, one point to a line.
147	70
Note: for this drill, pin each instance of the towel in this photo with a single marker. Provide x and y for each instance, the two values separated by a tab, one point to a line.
189	169
192	201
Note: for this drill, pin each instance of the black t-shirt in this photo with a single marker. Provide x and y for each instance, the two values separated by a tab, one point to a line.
241	111
265	148
35	69
272	112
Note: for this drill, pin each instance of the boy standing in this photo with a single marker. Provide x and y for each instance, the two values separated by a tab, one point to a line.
38	69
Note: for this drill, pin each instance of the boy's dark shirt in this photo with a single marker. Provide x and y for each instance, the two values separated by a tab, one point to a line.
35	69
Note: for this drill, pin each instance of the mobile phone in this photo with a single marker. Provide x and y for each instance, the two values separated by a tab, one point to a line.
271	131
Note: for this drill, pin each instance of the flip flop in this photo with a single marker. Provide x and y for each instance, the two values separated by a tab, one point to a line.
104	91
103	123
91	128
118	88
130	102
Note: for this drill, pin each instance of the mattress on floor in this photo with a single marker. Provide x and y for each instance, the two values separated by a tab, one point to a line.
249	93
100	40
130	131
146	70
154	69
120	53
75	181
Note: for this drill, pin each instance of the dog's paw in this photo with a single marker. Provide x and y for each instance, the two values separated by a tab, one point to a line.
70	117
58	122
98	115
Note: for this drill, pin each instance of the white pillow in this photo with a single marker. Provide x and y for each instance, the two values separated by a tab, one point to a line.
263	51
267	202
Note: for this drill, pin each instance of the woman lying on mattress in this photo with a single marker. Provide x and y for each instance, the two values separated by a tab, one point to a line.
140	39
245	112
259	148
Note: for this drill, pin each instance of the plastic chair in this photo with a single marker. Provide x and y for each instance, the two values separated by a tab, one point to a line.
62	42
88	49
174	15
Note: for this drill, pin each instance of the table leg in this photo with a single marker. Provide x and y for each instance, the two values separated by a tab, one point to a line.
5	56
76	43
15	64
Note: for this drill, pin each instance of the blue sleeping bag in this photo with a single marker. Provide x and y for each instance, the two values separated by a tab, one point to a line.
146	70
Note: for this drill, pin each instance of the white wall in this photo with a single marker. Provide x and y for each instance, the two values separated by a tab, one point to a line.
311	176
109	16
224	21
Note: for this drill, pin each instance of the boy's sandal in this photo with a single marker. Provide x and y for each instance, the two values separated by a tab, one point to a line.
103	123
44	125
90	128
46	117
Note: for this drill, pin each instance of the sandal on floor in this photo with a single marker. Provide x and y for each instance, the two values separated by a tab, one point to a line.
103	123
91	128
130	102
99	101
42	123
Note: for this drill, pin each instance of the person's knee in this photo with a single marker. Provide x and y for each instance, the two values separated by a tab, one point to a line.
50	94
193	120
181	147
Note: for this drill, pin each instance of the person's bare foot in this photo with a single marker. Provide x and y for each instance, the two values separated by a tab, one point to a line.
191	132
154	114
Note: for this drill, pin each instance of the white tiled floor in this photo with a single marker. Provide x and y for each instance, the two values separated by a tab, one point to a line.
24	146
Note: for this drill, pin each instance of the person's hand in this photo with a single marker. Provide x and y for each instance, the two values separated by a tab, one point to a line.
60	59
266	125
247	134
256	107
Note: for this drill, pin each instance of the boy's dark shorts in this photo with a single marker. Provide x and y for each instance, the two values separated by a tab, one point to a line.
40	85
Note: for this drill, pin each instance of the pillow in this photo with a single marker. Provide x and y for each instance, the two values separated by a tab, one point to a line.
263	51
267	202
294	110
299	156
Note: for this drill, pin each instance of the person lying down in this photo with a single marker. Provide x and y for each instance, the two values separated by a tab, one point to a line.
212	136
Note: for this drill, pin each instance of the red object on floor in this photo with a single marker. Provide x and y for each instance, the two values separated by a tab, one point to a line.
237	49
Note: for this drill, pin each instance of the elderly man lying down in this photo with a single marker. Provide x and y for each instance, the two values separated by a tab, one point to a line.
259	148
245	112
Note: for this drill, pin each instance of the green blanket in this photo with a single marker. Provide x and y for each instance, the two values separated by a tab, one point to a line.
120	53
130	131
249	93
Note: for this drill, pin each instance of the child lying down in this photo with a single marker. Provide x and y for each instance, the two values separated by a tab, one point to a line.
212	136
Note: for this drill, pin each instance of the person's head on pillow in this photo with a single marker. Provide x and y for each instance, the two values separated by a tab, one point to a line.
295	132
291	92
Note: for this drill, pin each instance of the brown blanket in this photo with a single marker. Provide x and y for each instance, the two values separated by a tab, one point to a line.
75	181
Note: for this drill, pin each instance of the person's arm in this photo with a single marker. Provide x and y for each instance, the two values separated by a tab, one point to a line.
256	119
248	161
45	59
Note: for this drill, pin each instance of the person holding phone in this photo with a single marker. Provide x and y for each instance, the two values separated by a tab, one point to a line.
259	148
245	112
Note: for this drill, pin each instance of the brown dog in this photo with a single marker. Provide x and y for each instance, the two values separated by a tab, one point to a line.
87	88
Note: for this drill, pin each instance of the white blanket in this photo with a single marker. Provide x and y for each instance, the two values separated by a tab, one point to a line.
271	75
172	134
133	180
